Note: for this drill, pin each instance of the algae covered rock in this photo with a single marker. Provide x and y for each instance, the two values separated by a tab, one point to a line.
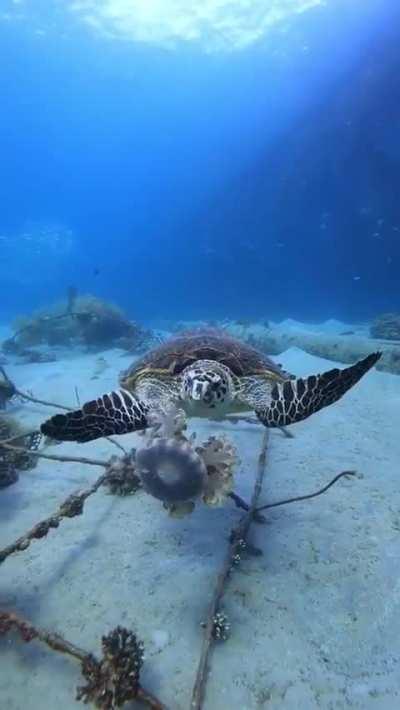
386	327
83	320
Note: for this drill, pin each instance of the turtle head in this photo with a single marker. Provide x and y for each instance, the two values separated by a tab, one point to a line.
207	383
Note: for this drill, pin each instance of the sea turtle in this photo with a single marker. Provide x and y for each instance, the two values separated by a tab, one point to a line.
206	373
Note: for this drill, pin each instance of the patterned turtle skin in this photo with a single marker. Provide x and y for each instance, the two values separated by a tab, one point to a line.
176	354
210	374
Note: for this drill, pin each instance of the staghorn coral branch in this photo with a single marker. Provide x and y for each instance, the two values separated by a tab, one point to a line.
237	539
109	671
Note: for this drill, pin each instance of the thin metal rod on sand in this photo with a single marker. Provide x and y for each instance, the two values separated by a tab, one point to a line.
238	536
296	499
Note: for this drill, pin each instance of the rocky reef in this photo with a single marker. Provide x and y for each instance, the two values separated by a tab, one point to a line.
85	320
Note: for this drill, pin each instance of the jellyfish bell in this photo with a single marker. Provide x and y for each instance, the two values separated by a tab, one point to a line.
171	470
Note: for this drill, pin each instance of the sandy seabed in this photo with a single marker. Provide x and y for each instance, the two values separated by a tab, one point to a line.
315	621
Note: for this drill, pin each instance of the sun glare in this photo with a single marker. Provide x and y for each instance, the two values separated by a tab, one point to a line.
211	24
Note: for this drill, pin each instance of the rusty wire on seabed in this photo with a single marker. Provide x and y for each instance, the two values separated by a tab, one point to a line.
237	543
216	626
217	620
111	681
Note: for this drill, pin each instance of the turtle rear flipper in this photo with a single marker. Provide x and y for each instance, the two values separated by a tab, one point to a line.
118	412
295	400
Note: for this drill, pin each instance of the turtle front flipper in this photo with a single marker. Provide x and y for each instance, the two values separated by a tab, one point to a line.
295	400
118	412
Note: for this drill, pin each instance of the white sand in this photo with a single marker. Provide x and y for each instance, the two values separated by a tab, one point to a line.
315	621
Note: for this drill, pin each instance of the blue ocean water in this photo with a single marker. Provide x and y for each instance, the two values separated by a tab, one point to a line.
235	162
236	171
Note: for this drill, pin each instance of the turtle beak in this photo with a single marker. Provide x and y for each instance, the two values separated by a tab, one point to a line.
200	390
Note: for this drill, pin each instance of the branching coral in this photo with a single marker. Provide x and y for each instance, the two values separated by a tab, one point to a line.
169	423
220	457
122	478
115	679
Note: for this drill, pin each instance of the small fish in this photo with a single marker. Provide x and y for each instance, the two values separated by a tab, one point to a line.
356	278
96	271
